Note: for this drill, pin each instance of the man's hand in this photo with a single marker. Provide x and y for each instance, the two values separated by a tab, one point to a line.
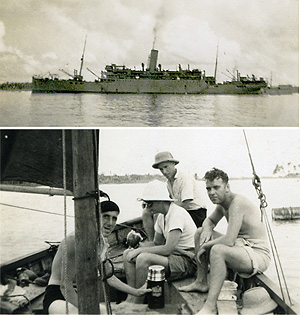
200	252
143	290
205	236
132	253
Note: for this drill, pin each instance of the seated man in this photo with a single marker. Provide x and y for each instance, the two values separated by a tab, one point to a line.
54	300
173	245
244	248
183	188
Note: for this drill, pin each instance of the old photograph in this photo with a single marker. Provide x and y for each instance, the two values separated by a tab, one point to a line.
244	183
149	63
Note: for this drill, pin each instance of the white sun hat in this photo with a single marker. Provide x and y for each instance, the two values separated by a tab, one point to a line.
156	190
257	301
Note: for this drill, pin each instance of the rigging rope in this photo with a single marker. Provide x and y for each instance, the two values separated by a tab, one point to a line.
36	210
263	204
65	248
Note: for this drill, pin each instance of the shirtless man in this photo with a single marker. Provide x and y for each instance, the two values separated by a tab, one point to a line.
244	248
181	187
54	300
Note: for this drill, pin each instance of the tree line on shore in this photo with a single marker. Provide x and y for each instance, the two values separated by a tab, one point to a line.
16	86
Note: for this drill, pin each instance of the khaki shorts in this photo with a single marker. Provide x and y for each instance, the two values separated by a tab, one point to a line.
259	254
182	264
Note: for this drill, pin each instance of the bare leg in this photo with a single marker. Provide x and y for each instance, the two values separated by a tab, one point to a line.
148	223
130	275
221	257
200	284
59	307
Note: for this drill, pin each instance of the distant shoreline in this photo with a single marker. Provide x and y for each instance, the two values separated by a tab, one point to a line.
142	179
16	86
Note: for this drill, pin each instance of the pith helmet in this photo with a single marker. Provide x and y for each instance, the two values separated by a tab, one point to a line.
163	157
257	301
156	191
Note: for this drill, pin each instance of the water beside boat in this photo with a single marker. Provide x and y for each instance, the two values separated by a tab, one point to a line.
23	230
24	109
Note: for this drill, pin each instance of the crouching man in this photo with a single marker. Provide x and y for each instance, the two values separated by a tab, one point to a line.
56	291
244	248
173	244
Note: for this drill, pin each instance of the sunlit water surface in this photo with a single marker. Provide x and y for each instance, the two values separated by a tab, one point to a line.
25	109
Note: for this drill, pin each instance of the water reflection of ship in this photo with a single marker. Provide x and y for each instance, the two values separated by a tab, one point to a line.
152	79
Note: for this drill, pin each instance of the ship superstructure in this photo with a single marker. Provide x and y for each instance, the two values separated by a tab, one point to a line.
152	79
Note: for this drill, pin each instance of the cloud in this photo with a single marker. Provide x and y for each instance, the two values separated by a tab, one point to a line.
253	36
198	149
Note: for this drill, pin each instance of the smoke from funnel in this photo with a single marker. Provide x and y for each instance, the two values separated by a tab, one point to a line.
154	37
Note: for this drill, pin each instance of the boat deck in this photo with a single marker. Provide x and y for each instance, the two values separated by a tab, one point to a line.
176	302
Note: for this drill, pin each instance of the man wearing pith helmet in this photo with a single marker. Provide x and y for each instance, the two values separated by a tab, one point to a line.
173	244
181	187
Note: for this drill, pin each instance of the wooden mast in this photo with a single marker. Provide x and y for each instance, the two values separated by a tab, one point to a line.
82	57
85	221
216	65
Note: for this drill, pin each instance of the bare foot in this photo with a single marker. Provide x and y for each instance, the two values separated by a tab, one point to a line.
195	286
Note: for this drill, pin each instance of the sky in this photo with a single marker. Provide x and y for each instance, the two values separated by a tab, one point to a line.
132	151
254	37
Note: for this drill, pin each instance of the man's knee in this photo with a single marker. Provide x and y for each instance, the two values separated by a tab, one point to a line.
143	259
125	253
218	251
59	307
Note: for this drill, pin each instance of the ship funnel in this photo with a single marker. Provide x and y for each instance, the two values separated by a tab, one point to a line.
153	60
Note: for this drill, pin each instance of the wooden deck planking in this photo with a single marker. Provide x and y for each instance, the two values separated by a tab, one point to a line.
227	307
193	301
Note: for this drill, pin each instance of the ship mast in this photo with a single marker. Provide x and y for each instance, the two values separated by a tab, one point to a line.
82	57
216	65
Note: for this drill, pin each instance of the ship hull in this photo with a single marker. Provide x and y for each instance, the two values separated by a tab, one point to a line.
138	86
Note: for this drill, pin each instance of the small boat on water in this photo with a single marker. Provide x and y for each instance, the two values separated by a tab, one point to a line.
152	79
286	213
26	277
176	302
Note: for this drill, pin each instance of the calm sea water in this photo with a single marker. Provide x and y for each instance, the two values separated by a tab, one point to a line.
24	109
25	225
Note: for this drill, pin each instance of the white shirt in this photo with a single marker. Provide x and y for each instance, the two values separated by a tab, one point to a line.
185	187
177	218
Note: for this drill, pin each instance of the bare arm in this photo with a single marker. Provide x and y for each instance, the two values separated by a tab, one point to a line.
236	215
121	286
163	250
209	224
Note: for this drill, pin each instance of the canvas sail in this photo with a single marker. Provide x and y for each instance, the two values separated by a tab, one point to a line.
36	156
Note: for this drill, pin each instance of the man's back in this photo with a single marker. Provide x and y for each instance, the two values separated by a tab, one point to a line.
57	265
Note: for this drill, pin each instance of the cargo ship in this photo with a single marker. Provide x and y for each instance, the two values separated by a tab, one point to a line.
152	79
